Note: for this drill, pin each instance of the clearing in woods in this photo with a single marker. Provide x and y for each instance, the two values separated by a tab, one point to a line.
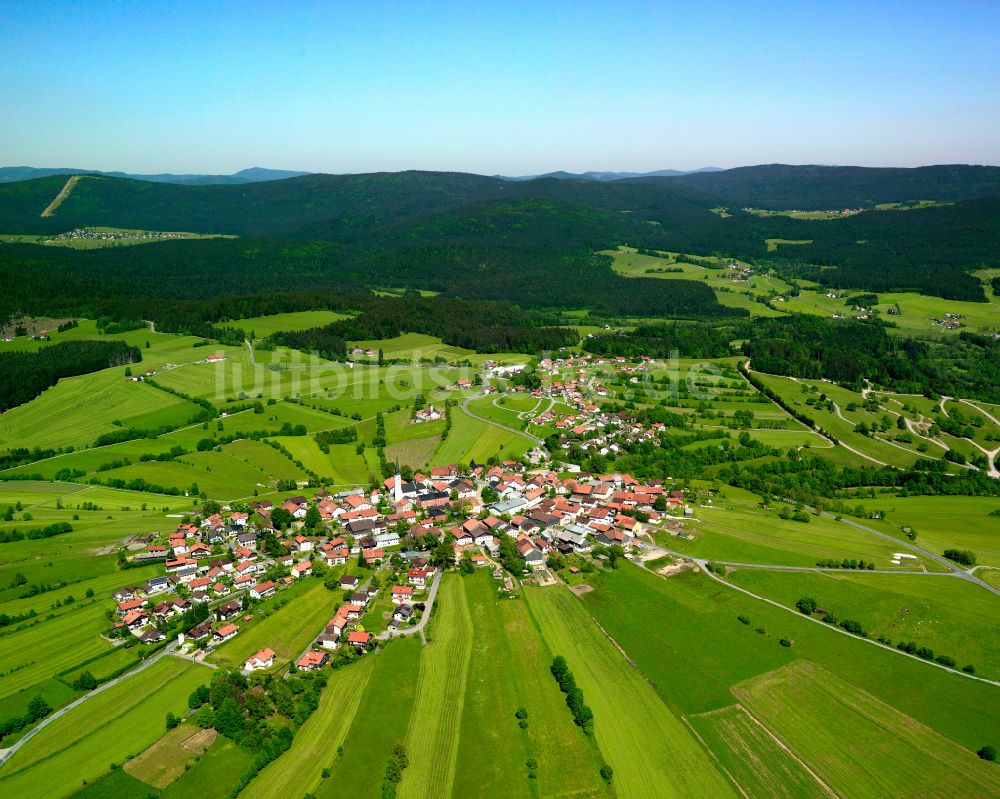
857	743
432	739
63	194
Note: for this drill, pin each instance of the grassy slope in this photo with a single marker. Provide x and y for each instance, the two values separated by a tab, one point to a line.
651	751
299	770
123	720
951	616
684	634
379	724
751	535
433	735
864	747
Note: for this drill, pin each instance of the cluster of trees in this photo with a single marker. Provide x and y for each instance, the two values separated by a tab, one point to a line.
965	557
852	563
56	528
398	761
911	648
25	375
245	710
340	435
583	716
663	341
37	710
475	325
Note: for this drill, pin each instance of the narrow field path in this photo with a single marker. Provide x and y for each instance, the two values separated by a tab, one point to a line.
62	195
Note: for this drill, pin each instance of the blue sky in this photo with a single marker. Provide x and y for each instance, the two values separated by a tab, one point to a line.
511	88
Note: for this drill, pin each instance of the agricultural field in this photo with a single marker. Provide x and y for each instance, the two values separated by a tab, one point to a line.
381	722
753	758
215	773
858	744
287	623
488	723
754	535
950	616
661	625
432	739
121	721
652	752
735	294
260	327
77	410
948	523
170	756
299	770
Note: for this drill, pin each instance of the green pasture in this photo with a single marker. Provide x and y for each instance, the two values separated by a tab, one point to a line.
948	615
860	745
299	770
432	738
120	721
684	633
381	722
652	752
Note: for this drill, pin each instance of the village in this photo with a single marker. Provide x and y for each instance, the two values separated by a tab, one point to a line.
381	553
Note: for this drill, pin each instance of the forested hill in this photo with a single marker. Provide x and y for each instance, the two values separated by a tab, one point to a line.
476	236
783	187
272	208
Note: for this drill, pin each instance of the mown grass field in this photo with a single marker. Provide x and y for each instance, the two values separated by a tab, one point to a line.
433	735
758	536
950	616
76	410
314	747
287	630
685	635
860	745
215	774
491	700
122	720
30	656
947	523
568	762
167	759
652	752
761	766
263	326
380	723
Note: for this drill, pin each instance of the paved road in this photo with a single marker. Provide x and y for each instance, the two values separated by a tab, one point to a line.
9	753
465	407
385	635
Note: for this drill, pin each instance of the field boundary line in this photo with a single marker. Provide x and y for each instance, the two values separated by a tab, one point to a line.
712	754
822	783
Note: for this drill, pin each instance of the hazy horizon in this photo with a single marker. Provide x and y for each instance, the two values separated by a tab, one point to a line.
517	89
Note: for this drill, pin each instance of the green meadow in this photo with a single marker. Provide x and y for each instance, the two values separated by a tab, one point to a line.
651	750
858	744
120	721
948	615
